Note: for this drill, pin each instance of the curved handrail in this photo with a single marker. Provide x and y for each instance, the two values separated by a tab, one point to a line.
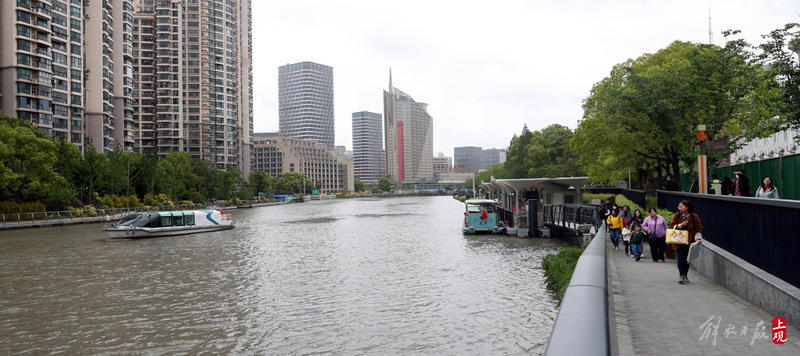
582	327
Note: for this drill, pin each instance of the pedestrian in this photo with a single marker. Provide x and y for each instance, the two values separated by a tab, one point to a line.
740	186
715	185
607	207
686	219
670	184
767	190
614	222
656	228
626	226
726	186
637	236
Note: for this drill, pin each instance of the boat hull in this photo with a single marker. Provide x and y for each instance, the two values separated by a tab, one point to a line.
144	232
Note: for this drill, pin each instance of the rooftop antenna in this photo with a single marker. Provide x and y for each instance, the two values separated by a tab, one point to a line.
710	31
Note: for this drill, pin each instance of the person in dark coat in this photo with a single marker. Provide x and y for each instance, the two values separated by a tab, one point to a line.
670	184
726	186
740	186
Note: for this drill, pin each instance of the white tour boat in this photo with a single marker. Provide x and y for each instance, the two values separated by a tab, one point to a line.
169	223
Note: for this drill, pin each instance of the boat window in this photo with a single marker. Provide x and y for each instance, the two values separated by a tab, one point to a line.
177	219
129	220
189	218
153	220
166	219
489	208
473	209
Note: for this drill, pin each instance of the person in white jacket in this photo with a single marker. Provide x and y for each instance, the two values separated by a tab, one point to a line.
767	190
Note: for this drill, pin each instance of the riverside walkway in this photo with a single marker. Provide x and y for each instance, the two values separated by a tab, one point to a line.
654	315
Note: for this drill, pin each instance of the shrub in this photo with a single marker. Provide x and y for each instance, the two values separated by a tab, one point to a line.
33	207
149	200
133	201
10	207
558	269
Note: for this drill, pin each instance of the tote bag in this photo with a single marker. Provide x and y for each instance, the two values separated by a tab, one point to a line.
675	236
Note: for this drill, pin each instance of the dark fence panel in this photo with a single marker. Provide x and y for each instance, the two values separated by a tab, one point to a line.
763	232
571	216
636	196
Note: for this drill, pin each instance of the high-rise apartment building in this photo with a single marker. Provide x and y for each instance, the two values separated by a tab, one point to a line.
65	66
193	79
305	102
409	137
369	158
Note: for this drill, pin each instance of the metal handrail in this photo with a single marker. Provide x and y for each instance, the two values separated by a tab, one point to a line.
584	311
91	214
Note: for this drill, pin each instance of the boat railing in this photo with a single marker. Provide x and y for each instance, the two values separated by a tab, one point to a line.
88	215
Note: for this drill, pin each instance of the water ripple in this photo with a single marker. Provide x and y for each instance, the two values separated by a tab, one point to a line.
377	276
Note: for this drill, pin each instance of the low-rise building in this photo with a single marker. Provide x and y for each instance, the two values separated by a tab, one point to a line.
276	155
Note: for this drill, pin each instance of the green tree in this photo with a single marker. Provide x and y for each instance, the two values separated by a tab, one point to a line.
384	184
227	181
174	173
778	55
645	113
359	186
263	182
290	183
27	161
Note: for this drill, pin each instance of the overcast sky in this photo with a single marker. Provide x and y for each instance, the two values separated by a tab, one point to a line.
485	68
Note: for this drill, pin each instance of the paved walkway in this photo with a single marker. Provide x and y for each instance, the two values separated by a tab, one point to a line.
657	316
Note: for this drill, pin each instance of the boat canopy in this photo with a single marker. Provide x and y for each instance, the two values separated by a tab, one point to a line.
480	201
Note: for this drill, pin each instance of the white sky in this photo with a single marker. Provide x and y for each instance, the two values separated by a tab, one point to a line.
485	68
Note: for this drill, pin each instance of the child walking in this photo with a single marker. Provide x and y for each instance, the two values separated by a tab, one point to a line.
637	236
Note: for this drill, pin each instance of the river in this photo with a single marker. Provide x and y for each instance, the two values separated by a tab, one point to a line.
344	277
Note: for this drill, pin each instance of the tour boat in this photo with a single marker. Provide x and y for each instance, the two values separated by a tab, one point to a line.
169	223
481	216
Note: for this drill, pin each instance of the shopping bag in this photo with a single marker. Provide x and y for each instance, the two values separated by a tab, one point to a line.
675	236
694	251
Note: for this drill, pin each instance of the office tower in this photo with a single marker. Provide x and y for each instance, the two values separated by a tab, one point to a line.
193	71
305	102
65	67
492	156
369	162
326	169
468	157
409	137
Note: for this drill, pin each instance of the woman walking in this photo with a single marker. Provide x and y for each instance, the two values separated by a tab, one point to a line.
656	228
767	190
685	219
614	222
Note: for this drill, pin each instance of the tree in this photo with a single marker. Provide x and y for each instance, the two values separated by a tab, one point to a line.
227	181
262	182
290	183
783	71
645	113
384	184
174	173
27	161
359	186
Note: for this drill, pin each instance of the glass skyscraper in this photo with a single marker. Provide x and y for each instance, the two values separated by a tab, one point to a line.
369	159
409	137
305	102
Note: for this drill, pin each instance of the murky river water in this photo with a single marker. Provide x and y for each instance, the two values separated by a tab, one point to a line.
357	276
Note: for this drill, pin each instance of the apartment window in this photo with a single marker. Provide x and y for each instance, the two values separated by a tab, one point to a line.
75	24
24	45
75	49
23	31
23	17
76	62
75	11
23	59
23	73
23	102
75	86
